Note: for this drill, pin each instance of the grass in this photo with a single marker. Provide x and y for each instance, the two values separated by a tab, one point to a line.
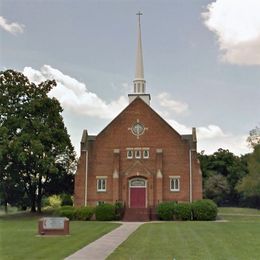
233	211
239	238
11	210
18	238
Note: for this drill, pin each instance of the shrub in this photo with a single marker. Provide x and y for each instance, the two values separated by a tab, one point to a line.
84	213
182	211
66	199
165	210
54	201
105	212
66	211
204	210
119	210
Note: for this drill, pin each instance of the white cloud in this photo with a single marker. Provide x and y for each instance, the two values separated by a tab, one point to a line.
236	24
13	28
74	95
210	132
211	138
166	101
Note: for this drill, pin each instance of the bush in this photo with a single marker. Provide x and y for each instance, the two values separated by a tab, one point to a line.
204	210
182	211
165	210
105	212
119	210
66	200
66	211
54	201
84	213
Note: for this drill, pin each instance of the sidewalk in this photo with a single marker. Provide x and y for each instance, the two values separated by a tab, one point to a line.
104	246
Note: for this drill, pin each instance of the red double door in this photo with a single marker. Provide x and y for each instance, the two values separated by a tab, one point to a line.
137	197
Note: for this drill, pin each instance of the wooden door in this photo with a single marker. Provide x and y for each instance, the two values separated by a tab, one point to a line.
137	197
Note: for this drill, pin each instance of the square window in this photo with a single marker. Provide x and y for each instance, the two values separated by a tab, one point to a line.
175	183
101	185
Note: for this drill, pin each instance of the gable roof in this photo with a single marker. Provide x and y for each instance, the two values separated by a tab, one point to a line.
138	99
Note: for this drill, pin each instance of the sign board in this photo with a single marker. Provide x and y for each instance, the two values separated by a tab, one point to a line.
53	223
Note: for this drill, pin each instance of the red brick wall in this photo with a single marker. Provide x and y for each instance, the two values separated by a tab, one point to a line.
174	159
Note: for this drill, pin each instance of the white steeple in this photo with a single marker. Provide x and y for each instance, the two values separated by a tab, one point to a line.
139	81
139	69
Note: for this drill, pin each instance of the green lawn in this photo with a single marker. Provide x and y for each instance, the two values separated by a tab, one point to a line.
246	211
239	238
18	238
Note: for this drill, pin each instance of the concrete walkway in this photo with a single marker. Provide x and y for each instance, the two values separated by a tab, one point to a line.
104	246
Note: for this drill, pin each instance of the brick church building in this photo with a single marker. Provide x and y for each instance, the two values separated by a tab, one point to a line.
138	158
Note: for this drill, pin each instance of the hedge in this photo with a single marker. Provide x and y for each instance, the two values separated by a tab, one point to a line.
84	213
182	211
105	212
204	210
165	210
66	211
198	210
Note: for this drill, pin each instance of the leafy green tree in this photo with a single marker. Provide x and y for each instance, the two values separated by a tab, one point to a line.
224	163
34	142
250	184
216	188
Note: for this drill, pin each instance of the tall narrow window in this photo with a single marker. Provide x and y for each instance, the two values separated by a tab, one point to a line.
138	154
145	153
174	183
101	184
129	154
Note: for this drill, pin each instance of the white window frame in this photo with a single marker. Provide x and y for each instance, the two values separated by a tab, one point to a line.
148	153
101	184
174	179
127	153
140	154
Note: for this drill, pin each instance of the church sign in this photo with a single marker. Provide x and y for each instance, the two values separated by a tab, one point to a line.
53	226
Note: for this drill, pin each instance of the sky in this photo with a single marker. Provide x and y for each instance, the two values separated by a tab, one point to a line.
201	61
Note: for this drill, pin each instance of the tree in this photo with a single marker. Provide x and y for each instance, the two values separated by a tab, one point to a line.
35	146
250	184
254	137
216	188
226	164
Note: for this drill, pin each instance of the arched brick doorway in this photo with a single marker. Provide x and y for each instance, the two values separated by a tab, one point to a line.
138	192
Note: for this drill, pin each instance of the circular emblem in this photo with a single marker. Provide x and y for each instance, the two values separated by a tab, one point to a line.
137	129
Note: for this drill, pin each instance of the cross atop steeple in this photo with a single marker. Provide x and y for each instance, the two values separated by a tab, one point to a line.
139	16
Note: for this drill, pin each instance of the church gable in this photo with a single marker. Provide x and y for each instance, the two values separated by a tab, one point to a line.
136	124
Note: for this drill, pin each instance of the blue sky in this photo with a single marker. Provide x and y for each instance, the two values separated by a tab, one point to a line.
201	61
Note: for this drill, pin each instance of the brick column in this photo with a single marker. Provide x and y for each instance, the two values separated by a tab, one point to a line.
159	176
116	175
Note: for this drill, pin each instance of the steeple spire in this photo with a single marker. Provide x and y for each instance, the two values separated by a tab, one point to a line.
139	81
139	70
